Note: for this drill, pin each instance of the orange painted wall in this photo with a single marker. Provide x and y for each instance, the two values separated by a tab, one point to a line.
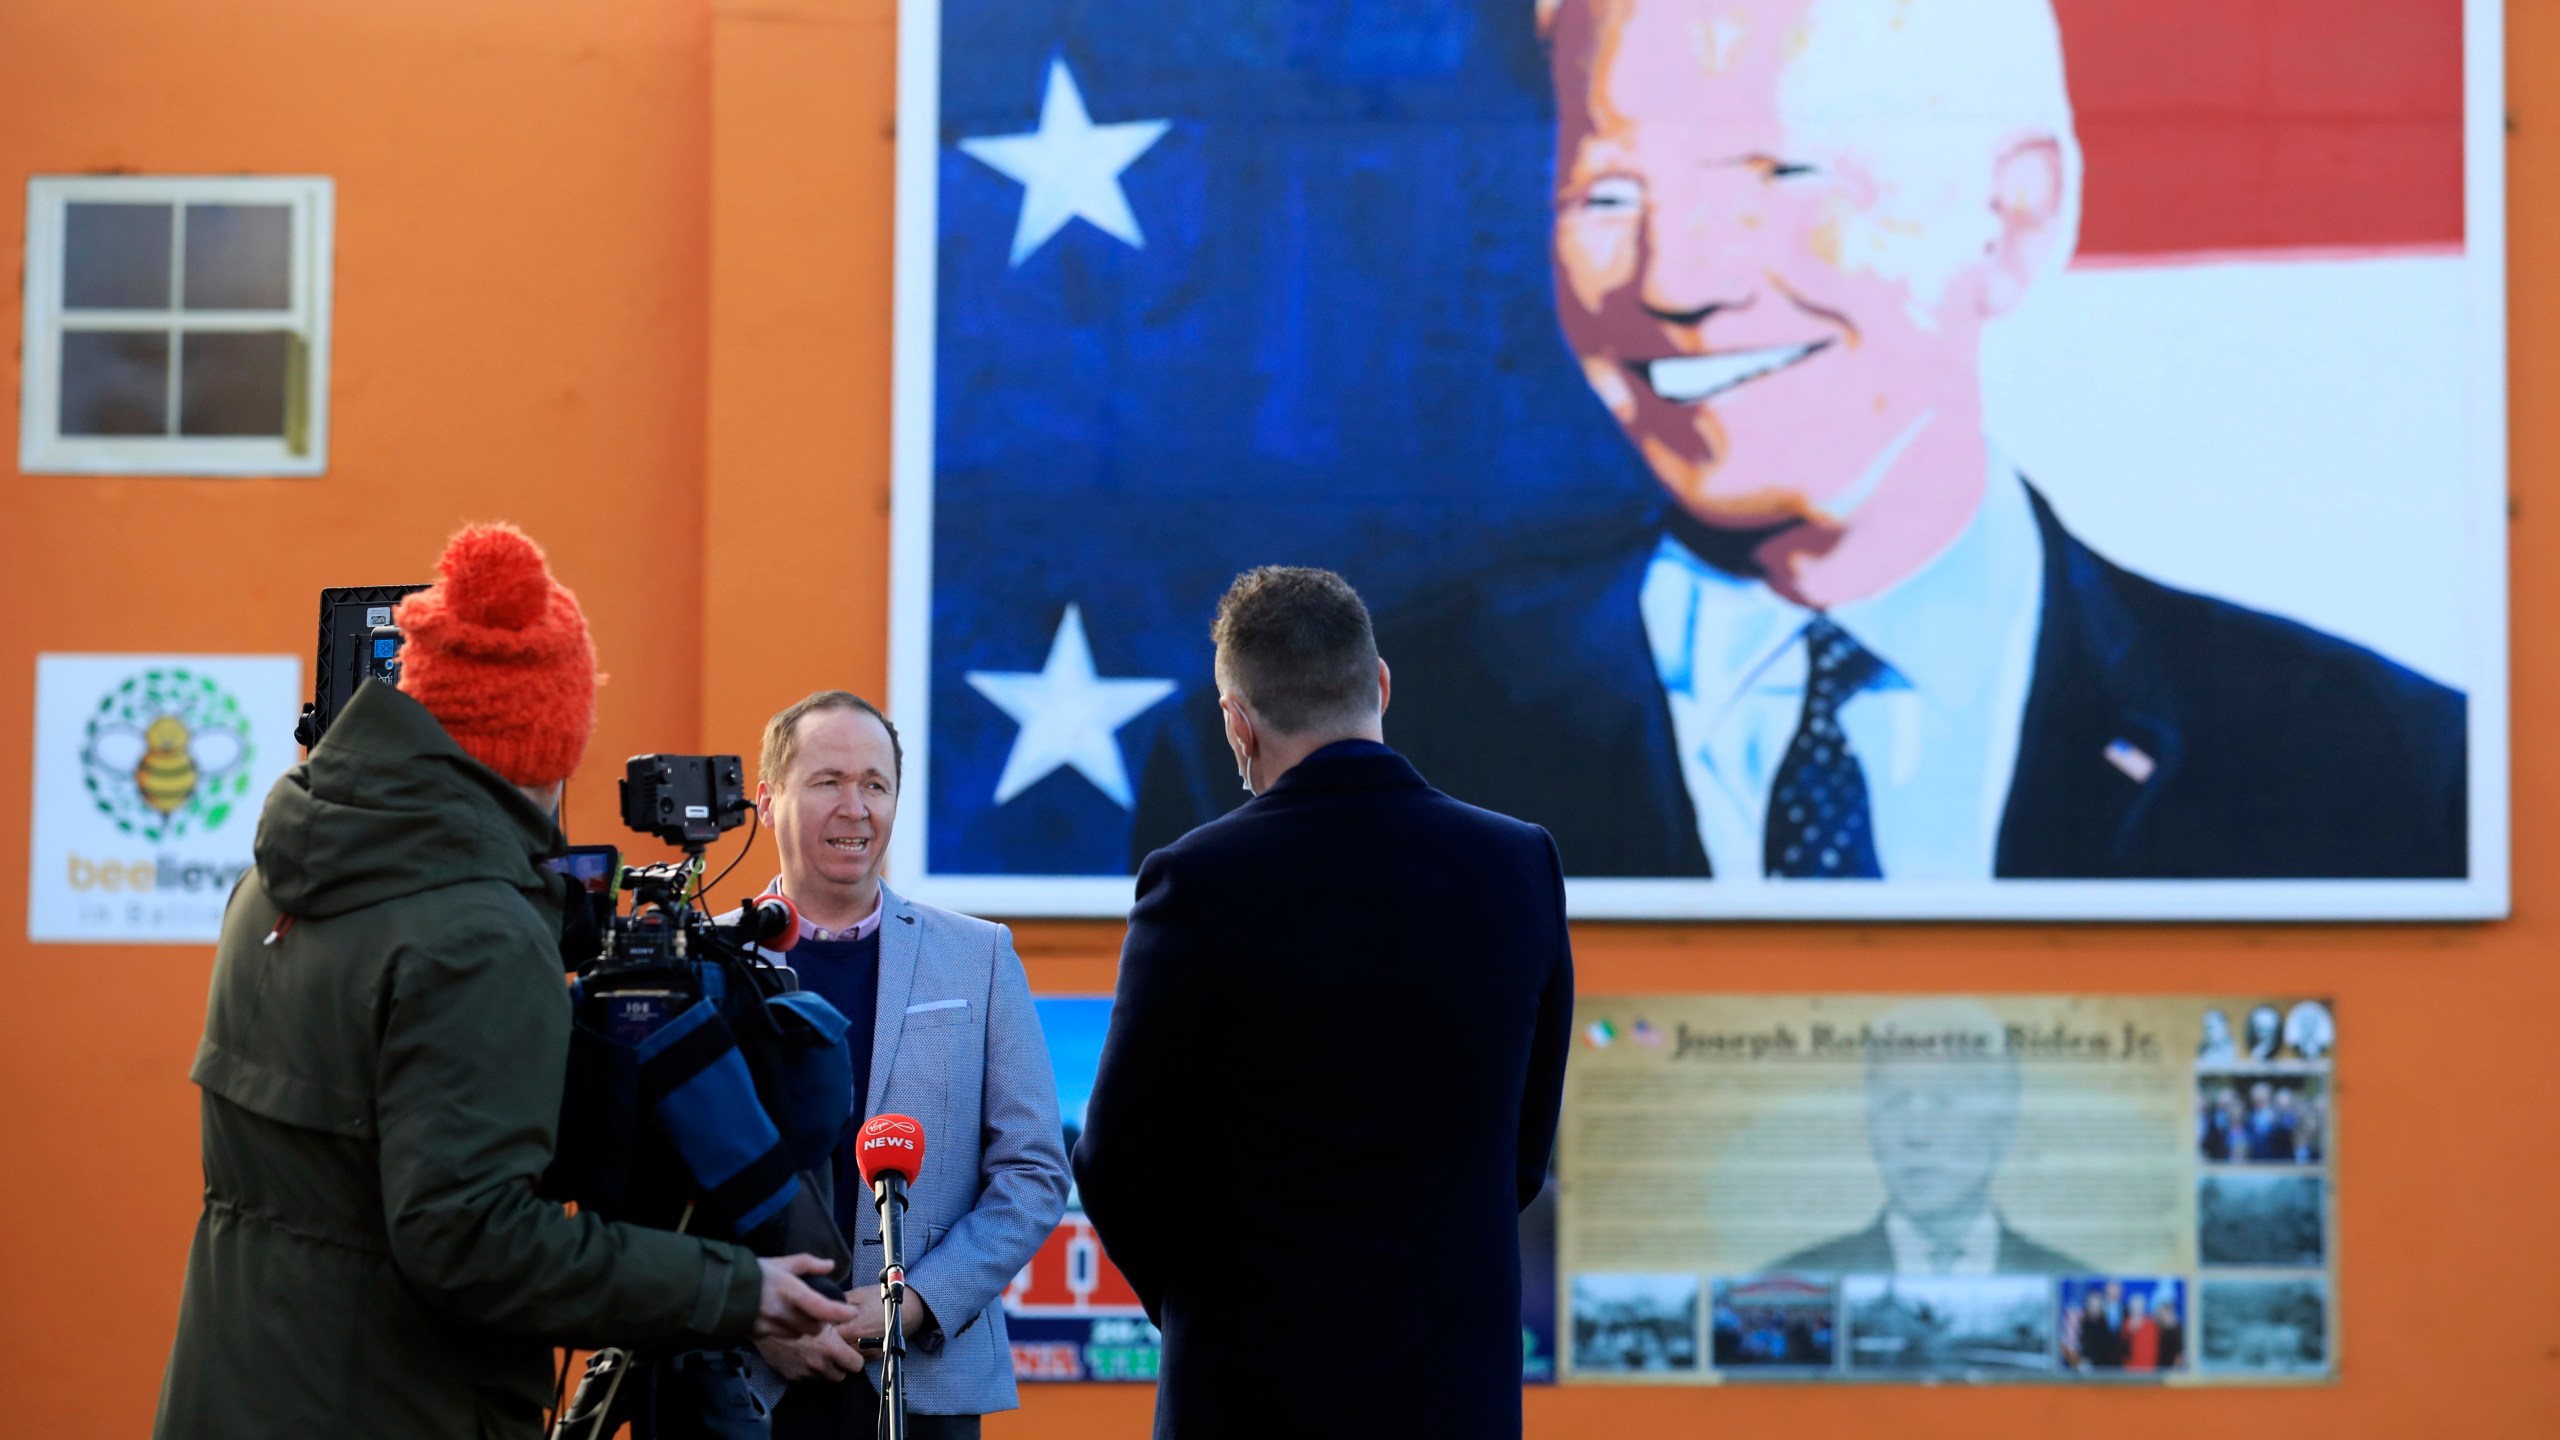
619	269
521	306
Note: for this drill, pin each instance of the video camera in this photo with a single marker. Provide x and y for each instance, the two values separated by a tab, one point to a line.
669	999
687	801
704	1087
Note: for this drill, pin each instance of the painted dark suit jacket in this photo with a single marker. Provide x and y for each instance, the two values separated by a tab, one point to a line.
1870	1252
2280	752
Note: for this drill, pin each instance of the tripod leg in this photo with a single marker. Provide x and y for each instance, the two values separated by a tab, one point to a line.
591	1415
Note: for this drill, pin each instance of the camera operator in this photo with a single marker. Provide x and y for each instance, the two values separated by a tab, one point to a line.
943	1029
383	1061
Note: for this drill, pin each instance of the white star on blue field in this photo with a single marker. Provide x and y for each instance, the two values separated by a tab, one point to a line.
1069	716
1069	168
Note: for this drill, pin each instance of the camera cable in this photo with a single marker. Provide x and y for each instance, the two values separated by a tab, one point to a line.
700	890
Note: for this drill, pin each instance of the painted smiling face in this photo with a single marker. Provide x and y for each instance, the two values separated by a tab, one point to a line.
1779	228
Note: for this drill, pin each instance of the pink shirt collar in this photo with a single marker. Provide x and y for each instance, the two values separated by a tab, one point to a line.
862	929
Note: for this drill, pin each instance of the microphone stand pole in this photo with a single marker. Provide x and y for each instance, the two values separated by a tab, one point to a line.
890	1196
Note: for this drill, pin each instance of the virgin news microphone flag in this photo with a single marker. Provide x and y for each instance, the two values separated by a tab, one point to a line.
889	1145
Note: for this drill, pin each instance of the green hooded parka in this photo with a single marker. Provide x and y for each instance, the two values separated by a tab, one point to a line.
381	1071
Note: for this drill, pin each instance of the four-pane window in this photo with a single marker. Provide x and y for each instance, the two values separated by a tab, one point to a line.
176	326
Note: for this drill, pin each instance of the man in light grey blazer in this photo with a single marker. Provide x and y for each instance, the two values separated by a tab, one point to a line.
942	1029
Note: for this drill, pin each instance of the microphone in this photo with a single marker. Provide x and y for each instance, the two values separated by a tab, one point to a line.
770	921
889	1150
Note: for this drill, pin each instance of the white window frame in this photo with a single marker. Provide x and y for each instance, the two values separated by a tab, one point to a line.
304	450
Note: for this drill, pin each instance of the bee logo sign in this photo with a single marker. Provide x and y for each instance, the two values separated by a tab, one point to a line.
149	773
167	751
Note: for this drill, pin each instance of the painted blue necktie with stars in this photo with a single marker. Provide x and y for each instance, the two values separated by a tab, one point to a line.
1819	825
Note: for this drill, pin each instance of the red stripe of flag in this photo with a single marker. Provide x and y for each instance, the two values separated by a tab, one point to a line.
2218	125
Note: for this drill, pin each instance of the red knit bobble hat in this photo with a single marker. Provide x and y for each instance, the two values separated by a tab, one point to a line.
498	652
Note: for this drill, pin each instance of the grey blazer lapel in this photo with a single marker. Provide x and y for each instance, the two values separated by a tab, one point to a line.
901	947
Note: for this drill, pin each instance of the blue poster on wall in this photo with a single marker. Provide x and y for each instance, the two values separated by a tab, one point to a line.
1070	1313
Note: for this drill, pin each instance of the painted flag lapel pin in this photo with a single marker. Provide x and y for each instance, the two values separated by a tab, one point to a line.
2132	759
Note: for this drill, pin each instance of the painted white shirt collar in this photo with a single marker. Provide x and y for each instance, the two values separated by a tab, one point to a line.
1977	1251
1937	733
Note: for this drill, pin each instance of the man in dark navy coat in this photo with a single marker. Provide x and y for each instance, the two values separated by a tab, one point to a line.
1854	643
1335	1063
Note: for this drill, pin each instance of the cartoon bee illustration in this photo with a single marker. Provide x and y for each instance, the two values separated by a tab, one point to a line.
169	762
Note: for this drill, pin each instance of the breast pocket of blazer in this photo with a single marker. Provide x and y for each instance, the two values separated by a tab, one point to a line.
937	1015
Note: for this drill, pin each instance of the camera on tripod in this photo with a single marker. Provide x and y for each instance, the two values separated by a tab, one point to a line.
687	801
667	997
704	1087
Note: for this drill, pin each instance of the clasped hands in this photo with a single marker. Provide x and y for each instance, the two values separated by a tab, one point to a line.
832	1353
